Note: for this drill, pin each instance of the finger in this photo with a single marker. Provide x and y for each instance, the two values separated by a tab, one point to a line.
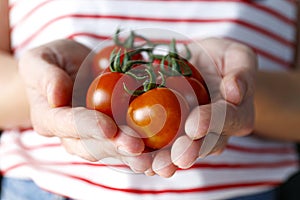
69	122
163	165
75	147
239	68
239	57
227	55
198	122
221	117
236	86
51	69
90	149
96	149
185	152
149	172
139	164
231	61
45	79
128	142
220	146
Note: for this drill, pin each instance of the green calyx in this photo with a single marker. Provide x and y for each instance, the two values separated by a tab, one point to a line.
155	68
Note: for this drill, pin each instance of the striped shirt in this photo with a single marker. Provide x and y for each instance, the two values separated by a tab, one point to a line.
248	165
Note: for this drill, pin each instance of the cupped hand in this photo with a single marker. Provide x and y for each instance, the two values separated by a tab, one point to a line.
231	113
229	69
49	73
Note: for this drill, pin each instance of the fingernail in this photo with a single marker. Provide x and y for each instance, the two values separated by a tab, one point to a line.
190	125
234	90
149	172
188	165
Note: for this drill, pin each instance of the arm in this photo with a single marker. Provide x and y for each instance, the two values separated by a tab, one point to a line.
277	105
277	101
13	101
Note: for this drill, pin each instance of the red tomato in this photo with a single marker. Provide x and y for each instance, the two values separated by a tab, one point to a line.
158	115
190	88
101	59
106	94
195	72
156	63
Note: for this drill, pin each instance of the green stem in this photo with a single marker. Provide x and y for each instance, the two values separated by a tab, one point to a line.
151	82
128	65
132	92
117	62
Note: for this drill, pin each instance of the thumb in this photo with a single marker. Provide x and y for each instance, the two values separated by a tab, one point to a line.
44	79
233	90
59	88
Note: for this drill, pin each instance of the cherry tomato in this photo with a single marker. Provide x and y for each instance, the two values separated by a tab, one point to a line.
190	88
195	72
106	94
158	115
101	59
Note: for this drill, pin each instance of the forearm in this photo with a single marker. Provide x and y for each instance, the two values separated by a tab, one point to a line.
13	102
277	105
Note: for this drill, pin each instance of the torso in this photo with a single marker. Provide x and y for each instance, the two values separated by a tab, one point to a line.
241	169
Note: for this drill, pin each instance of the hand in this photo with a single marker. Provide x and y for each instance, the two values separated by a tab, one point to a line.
230	79
49	73
232	110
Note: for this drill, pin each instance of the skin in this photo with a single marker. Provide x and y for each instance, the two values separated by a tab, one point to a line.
15	113
50	113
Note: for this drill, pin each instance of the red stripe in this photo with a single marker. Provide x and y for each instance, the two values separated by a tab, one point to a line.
266	54
190	190
273	12
282	62
87	34
40	146
294	2
261	52
268	10
232	147
201	165
28	14
31	162
12	5
84	16
102	37
4	171
144	191
264	150
257	165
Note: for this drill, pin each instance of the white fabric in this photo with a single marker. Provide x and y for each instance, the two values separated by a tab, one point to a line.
249	164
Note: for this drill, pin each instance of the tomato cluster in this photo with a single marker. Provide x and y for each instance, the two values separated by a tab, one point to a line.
151	93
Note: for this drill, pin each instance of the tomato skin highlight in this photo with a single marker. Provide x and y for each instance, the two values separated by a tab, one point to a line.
190	88
106	94
158	116
101	59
